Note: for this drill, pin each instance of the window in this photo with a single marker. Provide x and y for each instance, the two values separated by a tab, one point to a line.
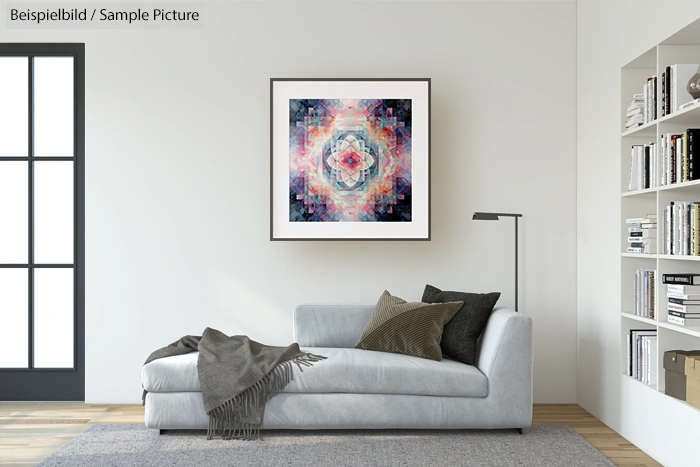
42	221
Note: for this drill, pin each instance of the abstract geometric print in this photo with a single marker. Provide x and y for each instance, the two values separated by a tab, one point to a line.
350	160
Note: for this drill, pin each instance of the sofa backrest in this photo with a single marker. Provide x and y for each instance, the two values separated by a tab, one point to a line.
330	325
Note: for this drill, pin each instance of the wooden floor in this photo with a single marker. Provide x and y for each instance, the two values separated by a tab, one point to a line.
30	432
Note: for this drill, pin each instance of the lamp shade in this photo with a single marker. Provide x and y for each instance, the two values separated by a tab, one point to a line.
485	216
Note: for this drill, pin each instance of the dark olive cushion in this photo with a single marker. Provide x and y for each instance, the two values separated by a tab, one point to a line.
408	328
460	335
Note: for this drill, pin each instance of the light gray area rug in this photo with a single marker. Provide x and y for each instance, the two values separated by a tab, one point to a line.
135	445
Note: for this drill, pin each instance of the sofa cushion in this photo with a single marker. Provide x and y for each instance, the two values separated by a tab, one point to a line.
407	328
461	333
346	371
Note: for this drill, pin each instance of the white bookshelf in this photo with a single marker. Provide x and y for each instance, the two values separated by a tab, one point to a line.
683	47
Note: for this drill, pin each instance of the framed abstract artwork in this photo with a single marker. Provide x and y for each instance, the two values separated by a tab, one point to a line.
350	159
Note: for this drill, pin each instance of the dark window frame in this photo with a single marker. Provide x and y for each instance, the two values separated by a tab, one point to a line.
68	384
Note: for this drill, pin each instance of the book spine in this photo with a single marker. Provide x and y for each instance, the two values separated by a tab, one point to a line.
673	88
686	232
680	314
678	308
692	138
681	279
671	243
696	230
667	143
667	102
663	94
664	161
629	188
681	301
693	229
672	155
646	166
652	294
654	107
684	155
679	161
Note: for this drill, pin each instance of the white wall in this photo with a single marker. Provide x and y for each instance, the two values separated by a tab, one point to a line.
610	34
177	169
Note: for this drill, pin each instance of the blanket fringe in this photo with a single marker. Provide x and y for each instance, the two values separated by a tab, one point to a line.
225	420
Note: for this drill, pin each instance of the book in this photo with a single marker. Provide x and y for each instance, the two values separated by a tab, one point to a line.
667	87
680	301
690	104
684	308
692	137
683	289
681	296
641	239
681	278
635	220
634	350
681	74
683	321
682	314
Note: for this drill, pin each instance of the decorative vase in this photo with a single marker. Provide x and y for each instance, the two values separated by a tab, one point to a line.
694	85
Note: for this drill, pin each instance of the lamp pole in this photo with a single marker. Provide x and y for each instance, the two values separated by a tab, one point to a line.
494	216
516	263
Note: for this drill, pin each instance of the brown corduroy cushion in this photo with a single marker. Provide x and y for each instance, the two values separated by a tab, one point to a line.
408	328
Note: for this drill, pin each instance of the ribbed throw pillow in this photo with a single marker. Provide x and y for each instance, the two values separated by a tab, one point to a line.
408	328
460	335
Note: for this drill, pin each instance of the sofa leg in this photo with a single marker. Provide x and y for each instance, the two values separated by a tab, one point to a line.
519	430
160	432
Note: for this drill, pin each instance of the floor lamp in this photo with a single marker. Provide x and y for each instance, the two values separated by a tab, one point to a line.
494	216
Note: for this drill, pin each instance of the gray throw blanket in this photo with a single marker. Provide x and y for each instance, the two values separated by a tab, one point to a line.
238	376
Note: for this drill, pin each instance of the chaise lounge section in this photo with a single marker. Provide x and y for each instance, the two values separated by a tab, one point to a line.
364	389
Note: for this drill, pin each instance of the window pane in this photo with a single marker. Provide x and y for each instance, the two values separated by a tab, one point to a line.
14	106
53	106
53	212
14	316
14	212
53	318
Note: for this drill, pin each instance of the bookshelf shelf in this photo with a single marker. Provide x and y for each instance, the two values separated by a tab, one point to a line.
695	332
648	129
648	386
643	202
694	185
689	115
646	191
679	257
641	319
639	255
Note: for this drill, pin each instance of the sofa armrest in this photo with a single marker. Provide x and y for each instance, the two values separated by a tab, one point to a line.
506	359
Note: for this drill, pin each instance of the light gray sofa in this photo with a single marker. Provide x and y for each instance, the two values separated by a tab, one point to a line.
365	389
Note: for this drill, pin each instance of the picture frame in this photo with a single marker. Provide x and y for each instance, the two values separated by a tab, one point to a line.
350	159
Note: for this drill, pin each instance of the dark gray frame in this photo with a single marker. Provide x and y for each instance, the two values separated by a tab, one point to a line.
272	132
54	384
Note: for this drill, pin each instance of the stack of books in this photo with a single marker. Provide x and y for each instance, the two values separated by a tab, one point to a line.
674	92
645	293
635	112
641	236
683	291
678	156
643	167
641	355
680	233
